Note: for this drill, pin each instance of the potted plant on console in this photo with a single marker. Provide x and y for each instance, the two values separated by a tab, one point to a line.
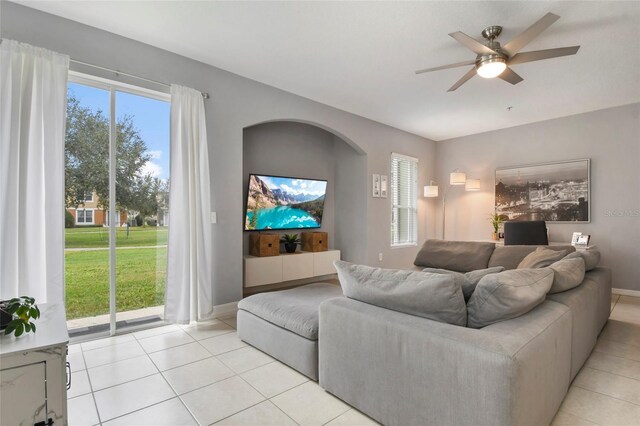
290	242
16	315
496	221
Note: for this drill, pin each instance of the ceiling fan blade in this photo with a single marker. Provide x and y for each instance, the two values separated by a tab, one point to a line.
471	43
463	80
525	37
510	76
539	55
444	67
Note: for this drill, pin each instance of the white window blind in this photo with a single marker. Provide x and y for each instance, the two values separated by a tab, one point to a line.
404	196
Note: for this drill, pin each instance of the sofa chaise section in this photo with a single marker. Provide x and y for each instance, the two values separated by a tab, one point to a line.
284	324
406	370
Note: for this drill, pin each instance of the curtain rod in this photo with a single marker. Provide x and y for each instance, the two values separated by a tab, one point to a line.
205	95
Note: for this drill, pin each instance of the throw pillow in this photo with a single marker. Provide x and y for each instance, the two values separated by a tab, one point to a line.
467	281
507	295
591	258
541	258
567	274
434	296
511	256
460	256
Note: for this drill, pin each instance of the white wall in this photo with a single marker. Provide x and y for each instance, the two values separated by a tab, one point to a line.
236	103
610	138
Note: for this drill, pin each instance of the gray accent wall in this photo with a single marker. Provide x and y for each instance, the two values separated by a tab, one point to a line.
237	103
296	150
609	137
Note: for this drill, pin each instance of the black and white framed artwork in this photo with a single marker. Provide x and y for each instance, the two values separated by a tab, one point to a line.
553	192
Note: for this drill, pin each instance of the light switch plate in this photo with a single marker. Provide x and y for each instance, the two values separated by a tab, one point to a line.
214	217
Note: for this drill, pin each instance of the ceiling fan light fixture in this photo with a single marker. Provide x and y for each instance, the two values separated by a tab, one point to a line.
491	67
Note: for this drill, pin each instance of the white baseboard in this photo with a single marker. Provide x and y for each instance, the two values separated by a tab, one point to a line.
625	292
226	309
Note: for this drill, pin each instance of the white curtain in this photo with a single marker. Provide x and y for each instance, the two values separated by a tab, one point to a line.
33	95
188	294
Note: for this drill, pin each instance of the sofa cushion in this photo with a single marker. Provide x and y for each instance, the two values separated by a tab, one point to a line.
295	310
434	296
507	295
567	274
591	258
468	280
510	256
459	256
541	258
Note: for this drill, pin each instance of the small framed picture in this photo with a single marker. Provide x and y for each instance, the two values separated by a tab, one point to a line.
574	238
376	186
583	240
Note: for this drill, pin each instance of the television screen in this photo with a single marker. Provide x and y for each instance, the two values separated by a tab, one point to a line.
275	202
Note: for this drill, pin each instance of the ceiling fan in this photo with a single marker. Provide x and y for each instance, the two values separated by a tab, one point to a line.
493	60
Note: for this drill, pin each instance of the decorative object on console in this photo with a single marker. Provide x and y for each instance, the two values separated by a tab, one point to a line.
24	309
493	60
264	244
456	178
583	240
496	221
315	241
554	192
290	242
574	238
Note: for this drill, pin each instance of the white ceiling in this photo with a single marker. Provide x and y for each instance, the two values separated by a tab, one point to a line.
361	56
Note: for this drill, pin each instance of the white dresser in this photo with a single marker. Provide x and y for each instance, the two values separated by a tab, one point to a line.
33	379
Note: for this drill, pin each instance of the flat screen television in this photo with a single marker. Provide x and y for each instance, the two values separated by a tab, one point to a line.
278	202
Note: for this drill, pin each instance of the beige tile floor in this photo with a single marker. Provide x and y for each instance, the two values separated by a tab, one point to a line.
607	389
203	374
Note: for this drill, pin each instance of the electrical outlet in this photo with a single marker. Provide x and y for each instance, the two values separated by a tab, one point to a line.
214	217
380	257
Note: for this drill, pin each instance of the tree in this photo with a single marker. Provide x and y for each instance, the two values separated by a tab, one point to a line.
87	161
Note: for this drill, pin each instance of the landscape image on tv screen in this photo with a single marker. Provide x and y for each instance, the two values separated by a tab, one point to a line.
275	202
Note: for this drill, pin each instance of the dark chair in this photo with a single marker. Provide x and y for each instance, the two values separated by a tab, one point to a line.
532	233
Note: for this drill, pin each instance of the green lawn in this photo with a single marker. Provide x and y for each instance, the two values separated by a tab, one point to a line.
140	280
140	272
99	237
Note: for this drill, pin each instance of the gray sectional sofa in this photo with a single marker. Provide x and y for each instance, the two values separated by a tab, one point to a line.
403	369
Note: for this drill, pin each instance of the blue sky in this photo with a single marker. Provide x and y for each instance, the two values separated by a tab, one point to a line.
151	119
296	186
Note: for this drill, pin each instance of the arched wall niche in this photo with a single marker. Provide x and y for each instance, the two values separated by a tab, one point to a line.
304	149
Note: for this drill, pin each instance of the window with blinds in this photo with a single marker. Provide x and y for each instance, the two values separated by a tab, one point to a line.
404	196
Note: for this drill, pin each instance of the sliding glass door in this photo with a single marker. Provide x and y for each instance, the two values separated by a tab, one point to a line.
117	154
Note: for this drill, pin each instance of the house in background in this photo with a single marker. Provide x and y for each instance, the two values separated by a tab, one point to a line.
90	214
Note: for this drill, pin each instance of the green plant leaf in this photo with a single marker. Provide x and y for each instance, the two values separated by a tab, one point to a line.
27	327
38	310
33	327
10	328
19	329
12	309
21	310
33	313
